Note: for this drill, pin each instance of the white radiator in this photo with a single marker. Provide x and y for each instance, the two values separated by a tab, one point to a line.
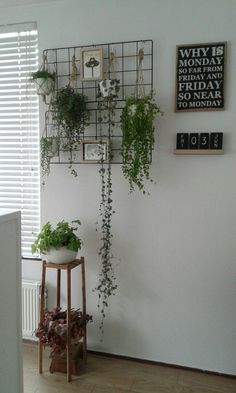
30	308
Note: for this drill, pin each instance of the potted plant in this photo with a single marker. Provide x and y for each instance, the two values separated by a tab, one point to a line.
59	245
52	331
70	115
108	88
138	139
44	81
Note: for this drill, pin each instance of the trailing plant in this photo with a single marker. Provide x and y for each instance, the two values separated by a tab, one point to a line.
138	139
64	235
71	115
106	286
53	329
49	147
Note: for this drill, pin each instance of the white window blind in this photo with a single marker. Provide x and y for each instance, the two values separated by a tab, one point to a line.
19	129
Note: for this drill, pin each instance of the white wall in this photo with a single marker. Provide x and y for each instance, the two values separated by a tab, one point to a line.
175	249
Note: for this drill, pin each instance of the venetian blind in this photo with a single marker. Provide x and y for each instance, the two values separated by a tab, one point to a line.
19	129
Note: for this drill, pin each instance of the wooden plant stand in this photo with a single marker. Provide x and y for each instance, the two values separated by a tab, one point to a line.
70	360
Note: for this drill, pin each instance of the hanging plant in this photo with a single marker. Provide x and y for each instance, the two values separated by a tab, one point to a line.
70	115
49	148
108	88
138	139
106	286
43	79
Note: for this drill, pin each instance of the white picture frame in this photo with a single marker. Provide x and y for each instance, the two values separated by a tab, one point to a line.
95	151
91	64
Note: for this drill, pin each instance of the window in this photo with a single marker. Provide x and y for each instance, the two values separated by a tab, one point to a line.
19	129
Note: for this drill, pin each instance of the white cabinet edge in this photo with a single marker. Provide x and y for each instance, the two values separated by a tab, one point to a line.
6	215
15	216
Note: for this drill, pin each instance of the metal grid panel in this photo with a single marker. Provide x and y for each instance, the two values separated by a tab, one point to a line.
125	70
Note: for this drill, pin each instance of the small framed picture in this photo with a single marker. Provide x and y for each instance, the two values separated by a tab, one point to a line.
91	60
95	151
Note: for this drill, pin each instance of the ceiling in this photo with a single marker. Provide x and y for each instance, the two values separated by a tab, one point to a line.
11	3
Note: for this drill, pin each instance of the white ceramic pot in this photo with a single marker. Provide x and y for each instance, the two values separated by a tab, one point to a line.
107	87
62	255
44	86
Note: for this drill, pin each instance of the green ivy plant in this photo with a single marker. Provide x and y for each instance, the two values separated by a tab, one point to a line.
49	147
106	286
70	115
138	139
64	235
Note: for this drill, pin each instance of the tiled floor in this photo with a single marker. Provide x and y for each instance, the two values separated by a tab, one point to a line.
106	375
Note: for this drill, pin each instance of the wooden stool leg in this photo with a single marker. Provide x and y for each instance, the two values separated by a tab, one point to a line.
58	288
84	310
68	357
42	303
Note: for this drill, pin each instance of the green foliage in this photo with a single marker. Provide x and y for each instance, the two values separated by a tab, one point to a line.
71	114
62	236
137	139
52	331
106	286
42	74
48	147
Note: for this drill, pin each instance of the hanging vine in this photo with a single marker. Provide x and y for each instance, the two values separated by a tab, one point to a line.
138	130
138	139
106	286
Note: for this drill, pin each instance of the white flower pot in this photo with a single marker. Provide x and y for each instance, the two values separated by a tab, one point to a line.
107	87
61	255
44	86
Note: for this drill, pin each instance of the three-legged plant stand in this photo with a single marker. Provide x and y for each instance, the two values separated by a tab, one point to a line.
67	267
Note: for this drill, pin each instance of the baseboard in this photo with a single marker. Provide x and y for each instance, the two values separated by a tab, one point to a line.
152	362
145	361
29	341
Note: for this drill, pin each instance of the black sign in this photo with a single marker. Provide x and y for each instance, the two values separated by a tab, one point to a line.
216	140
203	140
182	141
200	74
194	141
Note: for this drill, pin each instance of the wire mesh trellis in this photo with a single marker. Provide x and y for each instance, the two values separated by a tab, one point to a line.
66	63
